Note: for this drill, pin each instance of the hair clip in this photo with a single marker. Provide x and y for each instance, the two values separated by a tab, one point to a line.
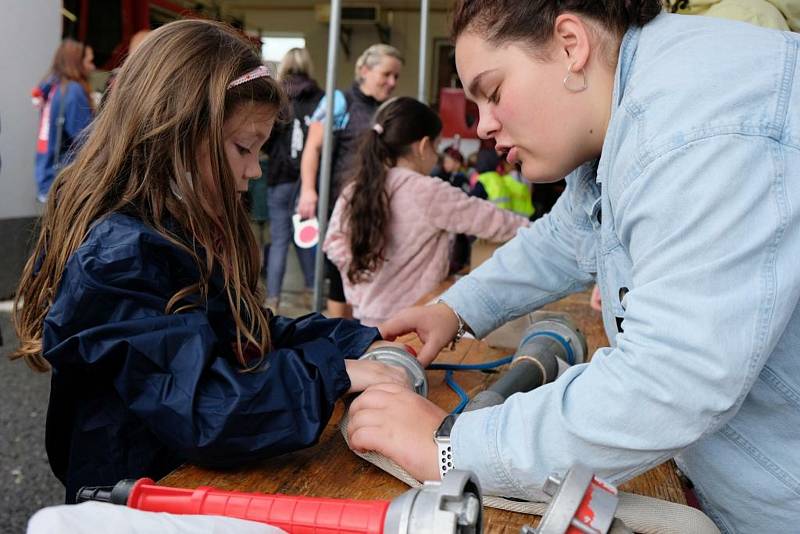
378	128
259	72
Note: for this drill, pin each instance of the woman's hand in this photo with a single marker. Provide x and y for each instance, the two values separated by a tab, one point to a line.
436	326
365	373
307	204
379	344
399	424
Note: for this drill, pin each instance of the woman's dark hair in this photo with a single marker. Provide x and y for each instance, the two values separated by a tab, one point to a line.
399	122
502	21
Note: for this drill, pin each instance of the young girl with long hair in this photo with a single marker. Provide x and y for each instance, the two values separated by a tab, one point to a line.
142	292
64	96
391	229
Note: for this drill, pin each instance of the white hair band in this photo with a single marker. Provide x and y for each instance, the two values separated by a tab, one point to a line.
259	72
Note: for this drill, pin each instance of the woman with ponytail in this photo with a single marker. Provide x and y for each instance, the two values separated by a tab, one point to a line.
142	294
679	138
393	225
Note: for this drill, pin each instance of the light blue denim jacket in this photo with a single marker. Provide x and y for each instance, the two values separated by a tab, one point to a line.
694	210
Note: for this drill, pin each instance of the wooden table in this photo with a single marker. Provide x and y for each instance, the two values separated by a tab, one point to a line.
330	469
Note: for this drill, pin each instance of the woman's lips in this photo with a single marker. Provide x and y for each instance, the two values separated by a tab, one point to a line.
513	155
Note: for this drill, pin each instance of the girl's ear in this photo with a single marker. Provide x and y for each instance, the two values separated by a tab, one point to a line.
422	145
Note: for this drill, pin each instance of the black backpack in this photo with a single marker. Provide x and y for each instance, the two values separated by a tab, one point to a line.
285	147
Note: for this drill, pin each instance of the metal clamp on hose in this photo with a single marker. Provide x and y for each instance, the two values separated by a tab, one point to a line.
556	333
581	503
401	358
552	338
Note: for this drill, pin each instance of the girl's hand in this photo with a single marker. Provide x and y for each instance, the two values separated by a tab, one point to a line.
399	424
365	373
307	205
436	326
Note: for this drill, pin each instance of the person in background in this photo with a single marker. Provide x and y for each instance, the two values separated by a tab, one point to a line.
64	98
487	160
377	71
285	151
683	204
471	171
776	14
498	184
142	294
392	227
451	169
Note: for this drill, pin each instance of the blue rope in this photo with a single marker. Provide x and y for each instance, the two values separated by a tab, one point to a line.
469	366
462	395
448	376
561	339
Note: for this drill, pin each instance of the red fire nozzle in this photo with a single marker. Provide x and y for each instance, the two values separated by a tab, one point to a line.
450	506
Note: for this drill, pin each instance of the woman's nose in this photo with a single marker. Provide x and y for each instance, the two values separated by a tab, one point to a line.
488	125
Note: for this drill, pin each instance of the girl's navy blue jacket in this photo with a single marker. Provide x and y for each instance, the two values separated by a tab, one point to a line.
136	391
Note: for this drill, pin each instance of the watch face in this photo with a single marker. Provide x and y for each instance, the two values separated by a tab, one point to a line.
446	426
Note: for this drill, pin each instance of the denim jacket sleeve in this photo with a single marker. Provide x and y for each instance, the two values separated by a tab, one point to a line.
548	260
678	371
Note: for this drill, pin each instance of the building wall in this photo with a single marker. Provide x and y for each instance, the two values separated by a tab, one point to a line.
29	34
404	36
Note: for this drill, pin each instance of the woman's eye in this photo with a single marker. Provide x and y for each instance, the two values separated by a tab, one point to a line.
242	150
494	98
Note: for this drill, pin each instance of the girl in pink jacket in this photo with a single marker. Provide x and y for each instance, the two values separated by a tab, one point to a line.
392	226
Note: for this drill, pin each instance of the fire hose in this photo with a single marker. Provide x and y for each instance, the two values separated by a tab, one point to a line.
450	506
579	501
551	337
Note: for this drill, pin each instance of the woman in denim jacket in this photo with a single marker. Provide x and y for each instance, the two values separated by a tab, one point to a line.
683	203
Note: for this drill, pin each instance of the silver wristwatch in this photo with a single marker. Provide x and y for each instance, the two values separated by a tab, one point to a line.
444	451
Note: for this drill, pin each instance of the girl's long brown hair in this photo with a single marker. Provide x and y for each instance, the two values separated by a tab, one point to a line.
403	121
169	99
68	65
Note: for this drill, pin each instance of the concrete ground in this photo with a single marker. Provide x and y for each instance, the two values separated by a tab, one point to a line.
26	482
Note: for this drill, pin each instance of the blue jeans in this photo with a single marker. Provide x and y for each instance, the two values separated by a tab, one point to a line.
281	201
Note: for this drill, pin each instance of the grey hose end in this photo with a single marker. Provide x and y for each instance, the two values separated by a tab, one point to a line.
400	358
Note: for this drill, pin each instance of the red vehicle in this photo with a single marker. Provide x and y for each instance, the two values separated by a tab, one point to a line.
108	25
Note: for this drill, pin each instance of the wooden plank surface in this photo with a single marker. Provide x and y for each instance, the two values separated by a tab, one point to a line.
330	469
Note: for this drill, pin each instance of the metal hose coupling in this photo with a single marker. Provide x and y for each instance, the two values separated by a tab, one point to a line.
552	341
581	503
450	506
402	358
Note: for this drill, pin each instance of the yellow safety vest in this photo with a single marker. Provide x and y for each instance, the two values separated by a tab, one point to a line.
520	196
496	189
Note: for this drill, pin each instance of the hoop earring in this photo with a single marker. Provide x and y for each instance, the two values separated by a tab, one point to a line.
570	87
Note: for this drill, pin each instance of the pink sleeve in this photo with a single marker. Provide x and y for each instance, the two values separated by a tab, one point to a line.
337	244
453	210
